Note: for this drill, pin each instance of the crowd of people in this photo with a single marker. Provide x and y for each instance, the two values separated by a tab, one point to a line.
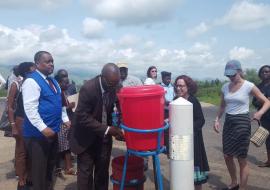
46	130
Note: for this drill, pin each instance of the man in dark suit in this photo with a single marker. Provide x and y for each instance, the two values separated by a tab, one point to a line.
91	137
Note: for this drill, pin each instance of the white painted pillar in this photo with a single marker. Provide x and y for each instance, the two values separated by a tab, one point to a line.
181	145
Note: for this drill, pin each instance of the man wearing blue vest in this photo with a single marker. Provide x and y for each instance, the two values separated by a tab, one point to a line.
43	117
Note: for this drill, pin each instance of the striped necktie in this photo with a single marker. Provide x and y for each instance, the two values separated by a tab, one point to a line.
51	84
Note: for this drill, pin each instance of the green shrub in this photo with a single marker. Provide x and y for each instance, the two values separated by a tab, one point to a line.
209	91
3	93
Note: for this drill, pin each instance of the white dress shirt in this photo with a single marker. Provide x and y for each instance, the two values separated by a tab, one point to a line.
149	81
31	93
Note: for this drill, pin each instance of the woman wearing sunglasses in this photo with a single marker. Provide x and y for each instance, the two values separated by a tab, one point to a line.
151	76
235	96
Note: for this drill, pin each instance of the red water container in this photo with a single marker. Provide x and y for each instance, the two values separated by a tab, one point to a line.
134	171
142	107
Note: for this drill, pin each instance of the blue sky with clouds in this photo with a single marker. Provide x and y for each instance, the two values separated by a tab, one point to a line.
182	36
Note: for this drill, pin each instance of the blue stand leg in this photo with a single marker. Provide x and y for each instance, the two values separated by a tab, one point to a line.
155	172
159	177
124	171
156	163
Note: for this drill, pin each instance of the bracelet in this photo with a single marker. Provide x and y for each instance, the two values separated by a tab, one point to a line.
12	123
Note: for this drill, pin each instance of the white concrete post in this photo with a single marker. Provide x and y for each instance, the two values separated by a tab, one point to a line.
181	145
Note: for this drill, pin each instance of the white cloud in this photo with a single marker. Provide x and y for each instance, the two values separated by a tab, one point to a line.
130	12
197	30
241	53
129	40
246	15
52	33
92	28
28	4
85	58
149	44
200	48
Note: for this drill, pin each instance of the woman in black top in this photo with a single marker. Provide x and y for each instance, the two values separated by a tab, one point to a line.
264	86
185	87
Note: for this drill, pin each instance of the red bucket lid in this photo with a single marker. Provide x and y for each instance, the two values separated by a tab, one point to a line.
139	91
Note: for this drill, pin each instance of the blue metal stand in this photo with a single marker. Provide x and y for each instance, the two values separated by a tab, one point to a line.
153	153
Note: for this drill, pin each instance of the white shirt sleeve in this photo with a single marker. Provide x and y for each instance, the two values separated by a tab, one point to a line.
64	114
31	93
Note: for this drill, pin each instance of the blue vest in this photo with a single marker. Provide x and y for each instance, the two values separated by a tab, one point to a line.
49	108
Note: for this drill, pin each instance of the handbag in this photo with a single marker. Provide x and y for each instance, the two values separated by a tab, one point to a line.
4	122
260	135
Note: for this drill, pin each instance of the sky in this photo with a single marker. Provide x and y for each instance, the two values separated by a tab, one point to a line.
189	37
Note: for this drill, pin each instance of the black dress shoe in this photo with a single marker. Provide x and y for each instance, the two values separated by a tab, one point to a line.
231	188
24	187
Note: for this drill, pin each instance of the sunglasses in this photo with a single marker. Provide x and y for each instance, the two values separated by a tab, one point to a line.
154	71
231	76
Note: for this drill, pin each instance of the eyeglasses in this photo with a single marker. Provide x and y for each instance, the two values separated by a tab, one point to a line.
109	83
267	71
180	86
154	71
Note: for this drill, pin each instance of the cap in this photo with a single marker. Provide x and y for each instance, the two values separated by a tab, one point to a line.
165	73
232	67
122	65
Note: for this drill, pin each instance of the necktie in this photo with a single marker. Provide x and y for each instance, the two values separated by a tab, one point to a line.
51	84
104	110
104	114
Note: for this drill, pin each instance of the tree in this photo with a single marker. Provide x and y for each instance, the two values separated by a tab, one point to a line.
252	76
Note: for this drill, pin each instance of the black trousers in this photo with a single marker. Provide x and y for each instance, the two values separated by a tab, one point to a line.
93	166
42	157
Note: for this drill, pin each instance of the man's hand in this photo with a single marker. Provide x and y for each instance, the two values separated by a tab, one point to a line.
71	105
48	132
14	130
117	133
67	124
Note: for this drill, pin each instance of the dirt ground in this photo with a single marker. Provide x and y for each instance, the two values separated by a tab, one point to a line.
259	178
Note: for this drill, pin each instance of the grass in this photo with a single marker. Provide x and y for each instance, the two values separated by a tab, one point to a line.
211	100
3	93
209	94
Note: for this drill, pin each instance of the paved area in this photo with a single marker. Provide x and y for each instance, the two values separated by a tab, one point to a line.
259	178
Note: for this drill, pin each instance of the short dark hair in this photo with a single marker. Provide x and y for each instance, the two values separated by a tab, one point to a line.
38	55
24	68
191	84
59	78
61	72
148	73
260	70
15	70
